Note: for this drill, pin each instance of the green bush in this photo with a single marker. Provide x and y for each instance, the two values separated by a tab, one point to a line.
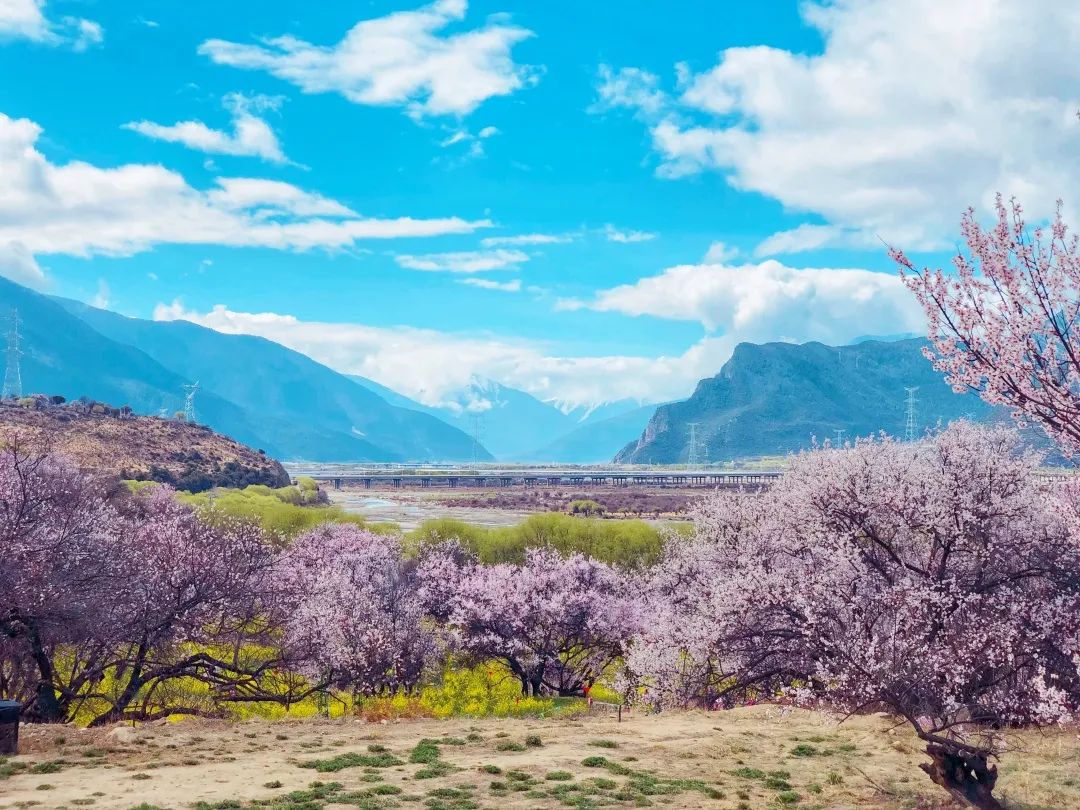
628	543
284	512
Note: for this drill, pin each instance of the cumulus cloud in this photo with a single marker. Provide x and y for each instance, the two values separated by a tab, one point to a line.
613	234
769	301
403	59
914	110
26	19
81	209
252	135
469	261
432	366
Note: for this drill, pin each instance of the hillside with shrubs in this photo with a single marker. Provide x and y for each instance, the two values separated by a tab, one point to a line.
102	437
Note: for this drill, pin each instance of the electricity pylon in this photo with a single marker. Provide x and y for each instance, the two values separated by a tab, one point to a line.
910	425
13	372
189	402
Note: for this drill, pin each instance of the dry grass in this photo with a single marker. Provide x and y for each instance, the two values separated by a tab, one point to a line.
757	757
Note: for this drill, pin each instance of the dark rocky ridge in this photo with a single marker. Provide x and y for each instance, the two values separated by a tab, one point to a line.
775	398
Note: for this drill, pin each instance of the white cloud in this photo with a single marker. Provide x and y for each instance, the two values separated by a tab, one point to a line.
85	33
488	132
720	253
613	234
769	301
529	239
252	136
18	264
629	88
489	284
81	209
432	366
402	60
26	19
470	261
914	110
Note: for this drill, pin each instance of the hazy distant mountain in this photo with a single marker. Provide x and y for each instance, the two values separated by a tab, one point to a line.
251	388
511	423
595	442
774	398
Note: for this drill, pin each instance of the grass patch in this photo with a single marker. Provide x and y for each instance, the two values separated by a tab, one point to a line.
352	760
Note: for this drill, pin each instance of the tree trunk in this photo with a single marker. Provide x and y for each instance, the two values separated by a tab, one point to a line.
47	706
966	776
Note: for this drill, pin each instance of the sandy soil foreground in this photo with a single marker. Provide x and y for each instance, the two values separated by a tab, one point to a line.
757	757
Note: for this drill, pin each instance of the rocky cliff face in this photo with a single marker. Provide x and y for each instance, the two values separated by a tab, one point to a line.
776	398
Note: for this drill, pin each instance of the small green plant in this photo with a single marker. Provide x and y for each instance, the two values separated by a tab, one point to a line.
559	776
603	743
788	797
275	784
352	760
509	745
533	741
834	778
805	750
492	769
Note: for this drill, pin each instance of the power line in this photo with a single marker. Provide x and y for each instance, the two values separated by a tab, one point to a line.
13	372
910	425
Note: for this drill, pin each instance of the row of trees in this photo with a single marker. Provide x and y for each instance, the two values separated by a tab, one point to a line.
120	604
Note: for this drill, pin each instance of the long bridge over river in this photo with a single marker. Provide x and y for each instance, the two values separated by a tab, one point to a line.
486	478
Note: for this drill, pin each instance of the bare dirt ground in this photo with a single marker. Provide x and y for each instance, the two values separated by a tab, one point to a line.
744	759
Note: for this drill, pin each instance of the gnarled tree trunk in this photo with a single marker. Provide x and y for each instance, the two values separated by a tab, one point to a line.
966	775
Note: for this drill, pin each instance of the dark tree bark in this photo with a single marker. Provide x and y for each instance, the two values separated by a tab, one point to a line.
965	775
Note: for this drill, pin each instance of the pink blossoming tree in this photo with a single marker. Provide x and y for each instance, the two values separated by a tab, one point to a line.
935	581
1006	324
557	622
355	620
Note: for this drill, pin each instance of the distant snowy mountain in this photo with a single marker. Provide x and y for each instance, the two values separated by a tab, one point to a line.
516	426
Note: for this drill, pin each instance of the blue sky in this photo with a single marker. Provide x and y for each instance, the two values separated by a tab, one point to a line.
588	201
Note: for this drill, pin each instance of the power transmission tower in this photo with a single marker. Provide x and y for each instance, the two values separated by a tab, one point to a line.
13	372
691	452
189	402
477	431
839	436
910	426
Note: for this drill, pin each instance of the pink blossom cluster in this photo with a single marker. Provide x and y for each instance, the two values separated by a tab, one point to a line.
1006	324
558	623
354	617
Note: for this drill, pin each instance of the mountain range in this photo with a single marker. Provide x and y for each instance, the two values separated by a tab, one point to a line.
281	401
768	399
251	389
516	426
774	398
